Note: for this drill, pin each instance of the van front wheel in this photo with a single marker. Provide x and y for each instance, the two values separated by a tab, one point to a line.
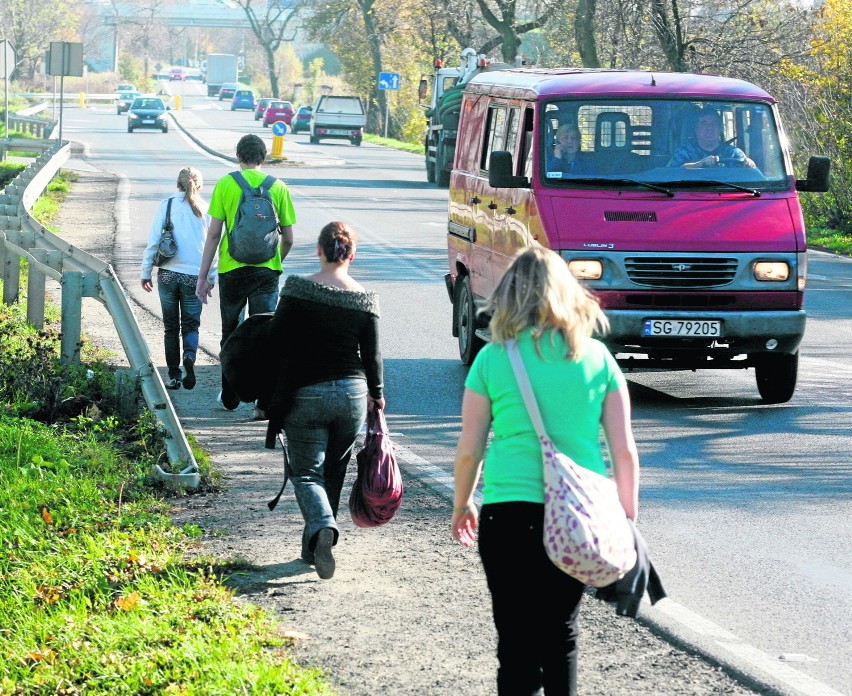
469	343
776	376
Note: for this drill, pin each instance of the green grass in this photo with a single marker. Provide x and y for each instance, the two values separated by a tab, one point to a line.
395	144
830	240
47	206
96	591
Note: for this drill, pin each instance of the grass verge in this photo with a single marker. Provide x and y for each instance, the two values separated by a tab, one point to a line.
830	240
395	144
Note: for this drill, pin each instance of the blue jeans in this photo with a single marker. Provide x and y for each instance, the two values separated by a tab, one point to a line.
252	285
181	318
535	604
321	428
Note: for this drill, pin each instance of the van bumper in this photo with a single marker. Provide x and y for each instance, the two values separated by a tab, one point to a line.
741	333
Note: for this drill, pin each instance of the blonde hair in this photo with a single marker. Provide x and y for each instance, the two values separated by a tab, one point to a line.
538	292
190	182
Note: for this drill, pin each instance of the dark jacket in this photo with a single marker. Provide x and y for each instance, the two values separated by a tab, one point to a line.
323	333
627	592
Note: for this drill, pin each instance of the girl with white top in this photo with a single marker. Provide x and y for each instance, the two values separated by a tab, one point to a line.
177	277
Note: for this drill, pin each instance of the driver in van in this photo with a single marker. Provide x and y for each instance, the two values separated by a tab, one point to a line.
566	157
708	149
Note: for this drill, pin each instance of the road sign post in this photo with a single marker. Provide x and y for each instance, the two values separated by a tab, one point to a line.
279	130
388	81
64	58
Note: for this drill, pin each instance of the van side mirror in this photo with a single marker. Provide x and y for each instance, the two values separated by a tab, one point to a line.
818	171
422	90
500	171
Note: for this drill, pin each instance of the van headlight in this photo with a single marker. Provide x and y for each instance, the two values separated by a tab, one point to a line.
774	271
586	269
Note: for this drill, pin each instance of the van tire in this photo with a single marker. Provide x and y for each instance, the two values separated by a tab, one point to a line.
776	376
469	343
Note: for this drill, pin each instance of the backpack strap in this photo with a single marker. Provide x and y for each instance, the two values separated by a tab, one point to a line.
244	185
268	182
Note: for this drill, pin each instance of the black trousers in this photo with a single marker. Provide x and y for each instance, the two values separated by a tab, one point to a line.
535	604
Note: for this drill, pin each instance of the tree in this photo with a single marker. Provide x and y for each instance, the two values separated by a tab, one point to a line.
31	26
818	93
272	27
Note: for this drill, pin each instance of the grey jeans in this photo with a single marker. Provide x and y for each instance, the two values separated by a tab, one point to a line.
321	428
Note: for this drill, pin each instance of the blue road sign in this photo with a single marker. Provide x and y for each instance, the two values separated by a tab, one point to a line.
388	80
279	128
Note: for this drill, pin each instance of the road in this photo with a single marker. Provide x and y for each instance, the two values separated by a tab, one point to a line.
746	507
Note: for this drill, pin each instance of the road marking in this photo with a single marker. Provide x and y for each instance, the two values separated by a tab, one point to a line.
783	673
434	476
442	482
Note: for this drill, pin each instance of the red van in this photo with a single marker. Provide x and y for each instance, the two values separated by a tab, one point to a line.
671	196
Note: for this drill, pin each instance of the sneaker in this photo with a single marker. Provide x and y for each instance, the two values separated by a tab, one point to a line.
189	377
323	558
173	383
259	414
228	406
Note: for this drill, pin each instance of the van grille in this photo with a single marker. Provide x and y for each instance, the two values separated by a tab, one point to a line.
680	271
629	216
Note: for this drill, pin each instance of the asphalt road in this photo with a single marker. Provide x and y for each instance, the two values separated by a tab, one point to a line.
746	507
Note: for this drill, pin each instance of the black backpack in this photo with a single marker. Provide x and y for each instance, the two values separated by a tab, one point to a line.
254	238
249	359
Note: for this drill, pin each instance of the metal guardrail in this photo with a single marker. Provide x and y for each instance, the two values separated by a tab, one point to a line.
80	275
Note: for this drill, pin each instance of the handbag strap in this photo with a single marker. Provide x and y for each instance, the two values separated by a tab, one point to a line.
526	387
167	225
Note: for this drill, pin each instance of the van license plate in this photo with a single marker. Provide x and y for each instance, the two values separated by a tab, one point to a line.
681	327
337	131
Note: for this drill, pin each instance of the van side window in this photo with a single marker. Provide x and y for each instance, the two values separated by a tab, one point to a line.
512	130
494	134
526	156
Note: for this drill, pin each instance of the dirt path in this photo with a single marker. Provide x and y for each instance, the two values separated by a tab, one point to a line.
407	612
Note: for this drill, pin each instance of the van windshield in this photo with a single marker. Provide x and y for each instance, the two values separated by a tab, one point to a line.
672	143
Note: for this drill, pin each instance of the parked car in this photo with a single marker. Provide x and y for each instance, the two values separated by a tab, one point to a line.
228	90
243	99
124	100
278	111
177	74
147	112
261	107
126	87
302	119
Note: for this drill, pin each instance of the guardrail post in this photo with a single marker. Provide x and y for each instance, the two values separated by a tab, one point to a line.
11	278
35	297
72	314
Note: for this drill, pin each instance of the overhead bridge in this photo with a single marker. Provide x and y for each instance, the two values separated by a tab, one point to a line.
195	13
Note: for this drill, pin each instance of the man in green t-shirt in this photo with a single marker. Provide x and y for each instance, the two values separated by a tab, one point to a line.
241	284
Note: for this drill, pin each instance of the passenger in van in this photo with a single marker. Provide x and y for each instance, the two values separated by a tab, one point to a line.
708	149
566	157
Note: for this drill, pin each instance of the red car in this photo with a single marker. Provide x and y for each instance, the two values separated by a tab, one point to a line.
278	111
177	74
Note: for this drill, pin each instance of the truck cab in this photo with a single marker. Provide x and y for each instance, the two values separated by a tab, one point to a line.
675	204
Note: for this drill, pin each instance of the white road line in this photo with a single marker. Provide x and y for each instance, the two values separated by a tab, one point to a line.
783	673
442	482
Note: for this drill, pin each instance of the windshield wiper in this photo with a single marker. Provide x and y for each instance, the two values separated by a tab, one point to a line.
694	183
619	182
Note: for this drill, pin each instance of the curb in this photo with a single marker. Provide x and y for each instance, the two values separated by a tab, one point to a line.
200	143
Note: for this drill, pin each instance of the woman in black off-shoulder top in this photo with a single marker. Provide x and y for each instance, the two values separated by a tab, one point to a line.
328	325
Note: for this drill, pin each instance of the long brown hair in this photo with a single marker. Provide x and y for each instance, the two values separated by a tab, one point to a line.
538	292
190	182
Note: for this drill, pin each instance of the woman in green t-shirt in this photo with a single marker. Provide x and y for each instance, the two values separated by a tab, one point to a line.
579	388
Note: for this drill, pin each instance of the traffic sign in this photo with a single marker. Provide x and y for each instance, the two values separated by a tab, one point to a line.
389	80
9	57
279	128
